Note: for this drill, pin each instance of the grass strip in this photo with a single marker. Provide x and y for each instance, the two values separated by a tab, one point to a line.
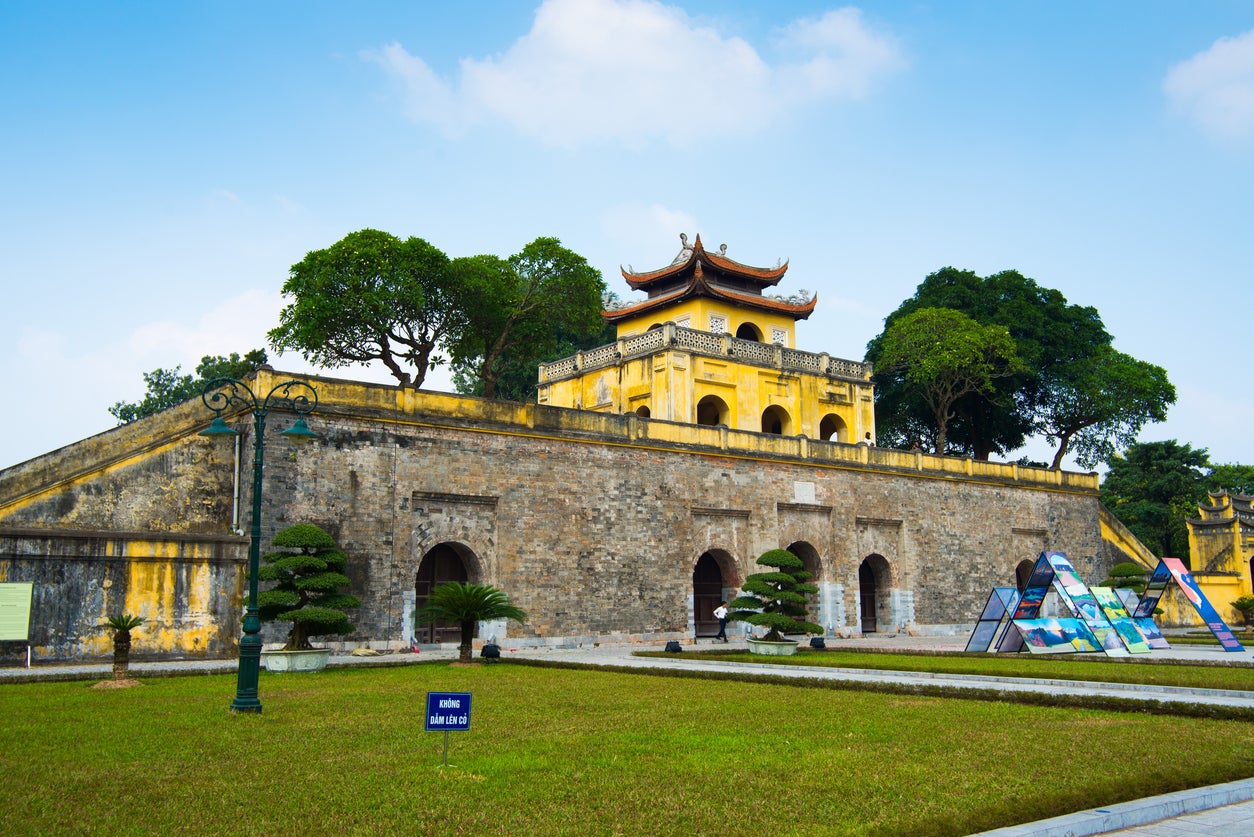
559	751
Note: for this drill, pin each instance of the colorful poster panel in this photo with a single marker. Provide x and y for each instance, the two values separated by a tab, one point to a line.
1145	624
1030	601
1154	589
1055	636
1076	596
1001	602
1218	627
1119	619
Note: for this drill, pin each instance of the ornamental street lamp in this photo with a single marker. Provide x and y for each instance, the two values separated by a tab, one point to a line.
223	394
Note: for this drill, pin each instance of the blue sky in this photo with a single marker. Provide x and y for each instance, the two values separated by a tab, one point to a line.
164	164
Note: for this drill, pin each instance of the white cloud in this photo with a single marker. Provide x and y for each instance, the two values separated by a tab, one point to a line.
649	231
633	71
1216	88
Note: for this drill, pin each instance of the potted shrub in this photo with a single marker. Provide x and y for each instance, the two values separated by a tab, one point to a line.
776	600
1245	606
308	571
1128	575
467	605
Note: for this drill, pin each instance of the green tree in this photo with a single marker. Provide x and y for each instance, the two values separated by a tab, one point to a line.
943	355
168	387
1153	488
467	605
1098	403
1047	331
308	572
122	624
1128	575
776	599
1233	478
371	296
519	312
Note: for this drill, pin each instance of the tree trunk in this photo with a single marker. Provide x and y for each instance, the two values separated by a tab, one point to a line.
121	654
468	634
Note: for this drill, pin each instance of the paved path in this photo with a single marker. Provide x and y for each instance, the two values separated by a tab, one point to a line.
1217	811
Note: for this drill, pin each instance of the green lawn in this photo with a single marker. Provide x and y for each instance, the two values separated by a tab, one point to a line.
1235	674
561	751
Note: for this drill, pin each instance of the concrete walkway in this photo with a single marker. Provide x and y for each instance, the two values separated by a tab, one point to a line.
1226	810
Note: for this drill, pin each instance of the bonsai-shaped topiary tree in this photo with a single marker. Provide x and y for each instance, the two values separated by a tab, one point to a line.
1128	575
467	604
122	624
308	571
776	600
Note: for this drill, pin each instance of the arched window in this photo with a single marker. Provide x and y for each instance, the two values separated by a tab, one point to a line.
833	429
748	331
712	410
776	420
643	411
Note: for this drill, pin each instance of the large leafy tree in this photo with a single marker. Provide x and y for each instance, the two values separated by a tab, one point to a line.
371	296
941	356
167	387
1153	489
1095	404
467	605
519	312
1047	332
1233	478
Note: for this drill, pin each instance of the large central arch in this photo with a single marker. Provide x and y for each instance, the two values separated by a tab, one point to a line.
448	561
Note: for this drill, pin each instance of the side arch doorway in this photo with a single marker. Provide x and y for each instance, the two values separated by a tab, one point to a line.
711	577
443	562
874	578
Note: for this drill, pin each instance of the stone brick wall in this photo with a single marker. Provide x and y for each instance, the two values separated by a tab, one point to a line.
592	523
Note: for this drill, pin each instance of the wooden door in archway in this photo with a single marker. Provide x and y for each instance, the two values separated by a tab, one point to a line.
866	595
707	592
439	565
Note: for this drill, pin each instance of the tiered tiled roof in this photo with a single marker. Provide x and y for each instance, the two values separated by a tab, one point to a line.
698	273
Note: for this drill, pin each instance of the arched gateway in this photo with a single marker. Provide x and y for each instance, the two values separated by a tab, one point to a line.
443	562
712	575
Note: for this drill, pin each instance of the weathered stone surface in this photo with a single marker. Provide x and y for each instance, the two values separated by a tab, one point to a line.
592	523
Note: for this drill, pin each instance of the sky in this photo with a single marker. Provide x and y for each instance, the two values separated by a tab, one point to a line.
162	166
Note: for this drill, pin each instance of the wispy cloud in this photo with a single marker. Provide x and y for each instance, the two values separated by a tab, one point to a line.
637	71
1216	88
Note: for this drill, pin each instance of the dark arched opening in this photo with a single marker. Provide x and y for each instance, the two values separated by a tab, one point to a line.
442	563
776	420
832	429
708	583
712	410
874	575
810	563
748	331
643	411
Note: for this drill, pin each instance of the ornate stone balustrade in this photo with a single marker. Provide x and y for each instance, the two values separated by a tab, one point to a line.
707	344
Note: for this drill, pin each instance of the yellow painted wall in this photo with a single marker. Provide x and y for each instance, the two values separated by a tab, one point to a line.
697	312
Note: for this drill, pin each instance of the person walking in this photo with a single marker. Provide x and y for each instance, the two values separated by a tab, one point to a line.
720	613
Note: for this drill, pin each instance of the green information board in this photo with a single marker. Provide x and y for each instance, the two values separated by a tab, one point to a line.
15	611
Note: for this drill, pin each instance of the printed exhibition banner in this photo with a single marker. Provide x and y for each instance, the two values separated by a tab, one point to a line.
1145	624
1056	636
1076	596
1001	602
1186	583
1118	617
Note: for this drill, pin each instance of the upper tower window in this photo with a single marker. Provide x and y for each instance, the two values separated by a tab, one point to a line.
748	331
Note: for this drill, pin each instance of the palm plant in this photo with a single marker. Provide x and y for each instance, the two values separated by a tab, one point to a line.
122	624
467	604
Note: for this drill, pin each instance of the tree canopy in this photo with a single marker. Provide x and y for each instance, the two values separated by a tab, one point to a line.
1153	488
523	311
942	355
371	296
167	387
1059	390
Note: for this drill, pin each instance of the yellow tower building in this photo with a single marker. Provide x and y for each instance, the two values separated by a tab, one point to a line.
1221	543
707	346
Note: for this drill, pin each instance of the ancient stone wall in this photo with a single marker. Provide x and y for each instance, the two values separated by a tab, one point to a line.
592	523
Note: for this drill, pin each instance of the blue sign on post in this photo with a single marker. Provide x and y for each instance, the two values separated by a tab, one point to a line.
448	712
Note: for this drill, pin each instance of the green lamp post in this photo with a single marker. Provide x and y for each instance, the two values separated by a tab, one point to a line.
220	395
